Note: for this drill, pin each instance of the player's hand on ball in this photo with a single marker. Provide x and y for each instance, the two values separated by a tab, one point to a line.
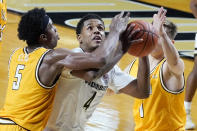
139	38
119	22
127	37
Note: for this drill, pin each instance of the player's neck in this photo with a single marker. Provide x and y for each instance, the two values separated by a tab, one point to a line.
154	61
31	49
157	56
87	49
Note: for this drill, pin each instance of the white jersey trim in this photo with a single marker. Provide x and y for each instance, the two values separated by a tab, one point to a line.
37	67
11	59
128	69
163	85
6	121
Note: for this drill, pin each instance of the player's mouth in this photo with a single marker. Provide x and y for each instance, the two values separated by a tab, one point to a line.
98	39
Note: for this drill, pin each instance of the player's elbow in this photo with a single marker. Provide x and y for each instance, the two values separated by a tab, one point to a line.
143	91
144	95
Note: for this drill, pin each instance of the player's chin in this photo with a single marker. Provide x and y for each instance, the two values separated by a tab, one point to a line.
97	43
54	44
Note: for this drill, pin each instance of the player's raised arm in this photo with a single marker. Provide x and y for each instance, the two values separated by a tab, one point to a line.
75	61
174	64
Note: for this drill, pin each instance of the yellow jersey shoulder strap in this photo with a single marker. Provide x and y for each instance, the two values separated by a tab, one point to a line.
162	82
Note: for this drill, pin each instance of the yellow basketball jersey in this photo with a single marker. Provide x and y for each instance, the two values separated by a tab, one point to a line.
28	103
163	110
3	17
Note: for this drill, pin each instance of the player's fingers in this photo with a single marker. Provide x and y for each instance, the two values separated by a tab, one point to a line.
127	17
121	14
128	14
160	11
133	42
133	33
129	29
163	19
118	15
163	14
155	17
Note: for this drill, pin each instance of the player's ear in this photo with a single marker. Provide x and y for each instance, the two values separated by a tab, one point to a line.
79	38
43	37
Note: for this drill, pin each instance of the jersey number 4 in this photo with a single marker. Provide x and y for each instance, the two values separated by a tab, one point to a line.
87	104
18	76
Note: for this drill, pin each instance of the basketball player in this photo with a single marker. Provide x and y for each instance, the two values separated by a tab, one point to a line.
35	69
76	98
3	19
164	109
192	78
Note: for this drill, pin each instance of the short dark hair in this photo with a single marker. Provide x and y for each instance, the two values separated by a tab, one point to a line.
31	26
85	18
171	29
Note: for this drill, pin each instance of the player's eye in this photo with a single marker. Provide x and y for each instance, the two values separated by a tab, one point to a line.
101	28
89	28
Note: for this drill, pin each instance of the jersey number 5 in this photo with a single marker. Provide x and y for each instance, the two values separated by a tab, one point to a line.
18	75
87	104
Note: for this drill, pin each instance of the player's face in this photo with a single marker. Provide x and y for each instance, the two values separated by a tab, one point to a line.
52	35
158	51
92	35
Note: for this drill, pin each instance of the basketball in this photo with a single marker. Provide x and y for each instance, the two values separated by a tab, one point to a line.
149	36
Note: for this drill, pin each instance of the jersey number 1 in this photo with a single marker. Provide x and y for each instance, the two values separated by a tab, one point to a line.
141	111
18	75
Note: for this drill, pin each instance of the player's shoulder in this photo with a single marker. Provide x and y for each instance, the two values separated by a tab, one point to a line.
16	51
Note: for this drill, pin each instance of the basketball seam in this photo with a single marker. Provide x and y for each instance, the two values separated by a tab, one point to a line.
144	28
143	32
150	32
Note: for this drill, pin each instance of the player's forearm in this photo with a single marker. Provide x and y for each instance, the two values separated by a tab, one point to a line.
82	62
108	66
92	74
101	56
109	46
140	87
170	51
111	60
143	78
193	7
75	61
